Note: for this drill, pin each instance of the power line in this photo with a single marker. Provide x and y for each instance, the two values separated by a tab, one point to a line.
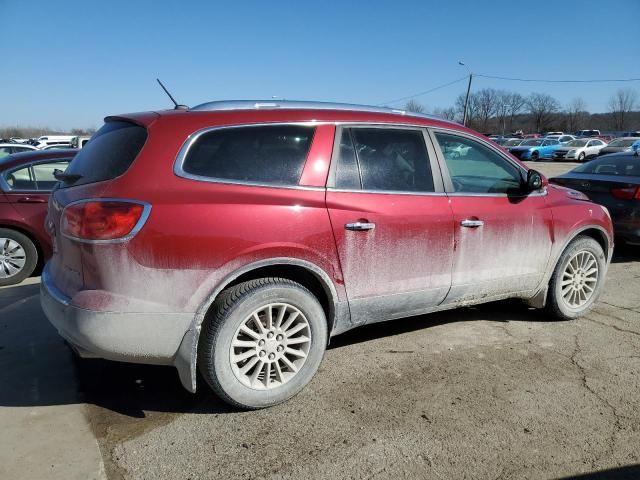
557	81
425	92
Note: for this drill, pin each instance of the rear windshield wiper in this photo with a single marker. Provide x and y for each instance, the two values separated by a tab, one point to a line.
66	177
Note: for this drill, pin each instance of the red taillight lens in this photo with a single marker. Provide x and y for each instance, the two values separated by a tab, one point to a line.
629	193
101	220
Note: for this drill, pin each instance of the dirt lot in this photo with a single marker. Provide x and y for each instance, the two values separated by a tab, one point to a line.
498	391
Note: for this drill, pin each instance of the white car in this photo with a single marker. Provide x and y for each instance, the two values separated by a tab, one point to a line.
9	148
579	149
561	138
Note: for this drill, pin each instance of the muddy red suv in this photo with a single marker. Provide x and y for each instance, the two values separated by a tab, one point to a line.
237	237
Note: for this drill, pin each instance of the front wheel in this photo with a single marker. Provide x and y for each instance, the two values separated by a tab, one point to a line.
18	257
262	343
577	280
535	156
581	157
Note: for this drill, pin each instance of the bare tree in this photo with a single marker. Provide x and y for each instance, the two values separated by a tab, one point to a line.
446	113
516	104
413	106
541	107
576	112
487	105
472	110
620	104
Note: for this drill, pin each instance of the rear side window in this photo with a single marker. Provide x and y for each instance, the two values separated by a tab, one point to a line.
267	154
109	154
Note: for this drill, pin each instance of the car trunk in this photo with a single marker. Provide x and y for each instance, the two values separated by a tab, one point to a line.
110	153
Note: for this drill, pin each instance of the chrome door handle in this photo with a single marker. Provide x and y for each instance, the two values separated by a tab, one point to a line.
360	226
31	200
471	223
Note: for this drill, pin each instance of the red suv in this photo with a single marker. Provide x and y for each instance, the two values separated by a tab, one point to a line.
237	237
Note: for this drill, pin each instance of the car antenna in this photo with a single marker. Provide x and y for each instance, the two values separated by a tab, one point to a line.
177	105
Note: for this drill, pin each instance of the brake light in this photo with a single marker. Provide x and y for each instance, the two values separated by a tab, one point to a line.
102	219
628	193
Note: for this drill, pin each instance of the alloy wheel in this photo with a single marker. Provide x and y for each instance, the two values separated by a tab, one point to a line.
12	257
579	279
270	346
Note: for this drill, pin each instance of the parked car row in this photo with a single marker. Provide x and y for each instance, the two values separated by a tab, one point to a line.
45	142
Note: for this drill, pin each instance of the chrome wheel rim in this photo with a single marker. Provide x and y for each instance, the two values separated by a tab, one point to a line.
270	346
12	258
579	279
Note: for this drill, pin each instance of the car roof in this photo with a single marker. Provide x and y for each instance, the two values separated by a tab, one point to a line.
257	111
17	145
17	159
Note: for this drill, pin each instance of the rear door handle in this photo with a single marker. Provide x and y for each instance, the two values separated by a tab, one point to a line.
360	226
31	200
469	223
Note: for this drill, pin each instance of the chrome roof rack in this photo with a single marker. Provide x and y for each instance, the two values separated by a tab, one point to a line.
226	105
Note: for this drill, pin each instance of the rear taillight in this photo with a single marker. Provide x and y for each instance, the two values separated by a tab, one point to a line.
628	193
103	220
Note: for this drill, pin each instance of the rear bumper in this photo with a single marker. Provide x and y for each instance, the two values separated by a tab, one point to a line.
151	338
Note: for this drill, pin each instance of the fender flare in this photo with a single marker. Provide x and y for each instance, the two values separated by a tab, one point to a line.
187	355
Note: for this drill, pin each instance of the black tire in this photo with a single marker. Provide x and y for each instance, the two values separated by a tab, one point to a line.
230	311
556	304
535	156
581	157
31	254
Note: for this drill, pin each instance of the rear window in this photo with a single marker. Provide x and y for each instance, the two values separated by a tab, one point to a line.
268	154
109	154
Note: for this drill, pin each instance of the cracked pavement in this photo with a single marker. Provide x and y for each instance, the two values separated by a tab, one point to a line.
498	391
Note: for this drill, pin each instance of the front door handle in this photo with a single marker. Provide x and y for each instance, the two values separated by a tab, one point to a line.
360	226
471	223
31	200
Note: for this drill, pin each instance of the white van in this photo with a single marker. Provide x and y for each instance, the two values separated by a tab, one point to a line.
79	142
61	140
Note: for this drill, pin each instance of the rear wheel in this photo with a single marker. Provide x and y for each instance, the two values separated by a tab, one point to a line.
18	257
577	279
262	343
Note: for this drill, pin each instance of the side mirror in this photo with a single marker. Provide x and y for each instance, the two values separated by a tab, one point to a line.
535	180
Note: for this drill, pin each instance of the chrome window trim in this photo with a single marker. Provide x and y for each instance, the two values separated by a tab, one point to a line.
438	183
146	211
387	192
178	169
4	185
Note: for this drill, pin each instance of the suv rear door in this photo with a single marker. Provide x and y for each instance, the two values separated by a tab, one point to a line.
391	220
503	236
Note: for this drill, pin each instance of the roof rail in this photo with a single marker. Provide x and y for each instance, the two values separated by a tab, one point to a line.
226	105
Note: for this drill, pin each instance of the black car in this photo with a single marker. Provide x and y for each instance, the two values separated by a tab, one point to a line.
613	181
622	144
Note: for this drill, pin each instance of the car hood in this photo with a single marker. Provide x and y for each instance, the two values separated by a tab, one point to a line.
522	149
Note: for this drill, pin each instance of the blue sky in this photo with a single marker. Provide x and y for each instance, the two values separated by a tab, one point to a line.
69	64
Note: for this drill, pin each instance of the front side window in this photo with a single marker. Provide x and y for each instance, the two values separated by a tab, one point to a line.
480	170
21	179
383	159
267	154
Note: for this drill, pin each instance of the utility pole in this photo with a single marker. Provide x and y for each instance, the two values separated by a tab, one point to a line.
466	100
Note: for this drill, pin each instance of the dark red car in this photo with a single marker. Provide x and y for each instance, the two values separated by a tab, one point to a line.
26	179
237	237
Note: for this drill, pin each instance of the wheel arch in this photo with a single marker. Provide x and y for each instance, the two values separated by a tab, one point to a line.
306	273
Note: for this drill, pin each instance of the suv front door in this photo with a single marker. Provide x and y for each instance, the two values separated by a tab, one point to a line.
502	234
391	220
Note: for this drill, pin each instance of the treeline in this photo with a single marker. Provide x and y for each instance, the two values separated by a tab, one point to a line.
494	111
35	132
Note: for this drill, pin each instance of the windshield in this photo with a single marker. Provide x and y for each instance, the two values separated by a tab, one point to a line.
622	142
624	165
512	143
577	143
531	143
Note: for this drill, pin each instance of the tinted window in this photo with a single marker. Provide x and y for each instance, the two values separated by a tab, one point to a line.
627	165
43	173
273	154
21	179
477	169
347	173
392	159
4	151
110	153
